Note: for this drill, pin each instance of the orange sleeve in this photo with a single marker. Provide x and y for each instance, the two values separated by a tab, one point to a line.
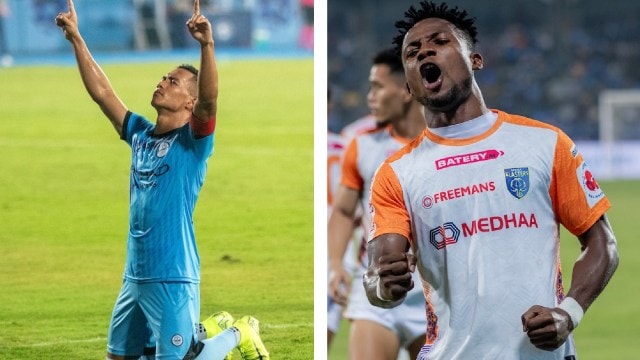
350	175
333	161
576	196
389	214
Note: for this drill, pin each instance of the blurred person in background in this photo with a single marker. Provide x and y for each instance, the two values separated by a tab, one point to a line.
5	58
374	333
336	146
306	32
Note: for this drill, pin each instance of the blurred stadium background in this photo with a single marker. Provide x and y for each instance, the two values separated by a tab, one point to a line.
27	28
571	63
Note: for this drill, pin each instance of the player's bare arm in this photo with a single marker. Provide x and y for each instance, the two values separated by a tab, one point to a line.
388	277
340	229
549	328
200	28
93	78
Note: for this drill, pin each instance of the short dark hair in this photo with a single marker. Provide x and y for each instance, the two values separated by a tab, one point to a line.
190	68
391	58
193	88
458	17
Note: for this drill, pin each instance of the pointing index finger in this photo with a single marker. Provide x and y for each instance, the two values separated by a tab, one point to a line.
196	7
71	7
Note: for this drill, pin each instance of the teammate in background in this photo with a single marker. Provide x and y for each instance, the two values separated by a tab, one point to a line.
334	154
160	295
375	333
336	146
479	198
360	126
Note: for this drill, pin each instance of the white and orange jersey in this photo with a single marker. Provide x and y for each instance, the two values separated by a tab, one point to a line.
482	215
335	149
359	126
363	156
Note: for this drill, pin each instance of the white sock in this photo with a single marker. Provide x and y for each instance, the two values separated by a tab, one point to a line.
219	346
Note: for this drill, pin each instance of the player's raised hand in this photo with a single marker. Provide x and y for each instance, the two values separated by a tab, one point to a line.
68	21
547	328
199	26
395	271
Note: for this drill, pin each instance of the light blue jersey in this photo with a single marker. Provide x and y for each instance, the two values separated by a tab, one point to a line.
167	172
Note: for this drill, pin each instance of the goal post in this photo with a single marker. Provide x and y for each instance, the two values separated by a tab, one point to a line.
616	153
619	115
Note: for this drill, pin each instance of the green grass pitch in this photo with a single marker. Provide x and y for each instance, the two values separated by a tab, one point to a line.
611	326
64	205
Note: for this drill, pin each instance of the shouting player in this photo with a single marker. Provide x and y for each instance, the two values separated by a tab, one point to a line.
479	198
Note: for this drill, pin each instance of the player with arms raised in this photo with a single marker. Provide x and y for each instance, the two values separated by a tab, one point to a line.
479	198
160	295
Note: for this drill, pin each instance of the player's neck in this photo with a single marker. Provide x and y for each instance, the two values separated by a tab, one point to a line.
472	108
168	121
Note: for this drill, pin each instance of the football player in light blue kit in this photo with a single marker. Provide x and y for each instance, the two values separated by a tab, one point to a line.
160	296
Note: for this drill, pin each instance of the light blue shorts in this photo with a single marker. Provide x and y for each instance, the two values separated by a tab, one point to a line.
168	312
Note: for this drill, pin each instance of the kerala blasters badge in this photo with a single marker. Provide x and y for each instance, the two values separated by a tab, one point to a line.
517	181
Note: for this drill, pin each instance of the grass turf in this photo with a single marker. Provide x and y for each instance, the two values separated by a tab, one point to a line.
64	206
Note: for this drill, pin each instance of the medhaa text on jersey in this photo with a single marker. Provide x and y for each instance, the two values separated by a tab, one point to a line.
448	233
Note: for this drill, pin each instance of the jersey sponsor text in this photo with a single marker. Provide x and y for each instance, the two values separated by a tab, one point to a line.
468	158
497	223
458	192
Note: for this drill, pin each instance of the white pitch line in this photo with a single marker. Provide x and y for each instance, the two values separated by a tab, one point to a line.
98	339
63	342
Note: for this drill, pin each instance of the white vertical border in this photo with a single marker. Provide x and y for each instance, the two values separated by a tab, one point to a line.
320	179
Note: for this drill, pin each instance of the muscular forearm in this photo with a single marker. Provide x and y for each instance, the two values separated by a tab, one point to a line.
207	83
596	264
339	233
98	85
388	277
93	78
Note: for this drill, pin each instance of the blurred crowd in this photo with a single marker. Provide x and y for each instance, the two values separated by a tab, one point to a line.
26	27
546	59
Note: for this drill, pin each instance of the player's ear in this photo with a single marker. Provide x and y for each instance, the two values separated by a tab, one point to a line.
191	103
476	61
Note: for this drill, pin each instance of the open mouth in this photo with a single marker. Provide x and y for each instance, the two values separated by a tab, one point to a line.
430	73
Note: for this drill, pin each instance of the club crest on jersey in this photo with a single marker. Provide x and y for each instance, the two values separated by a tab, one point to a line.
163	148
517	180
176	340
